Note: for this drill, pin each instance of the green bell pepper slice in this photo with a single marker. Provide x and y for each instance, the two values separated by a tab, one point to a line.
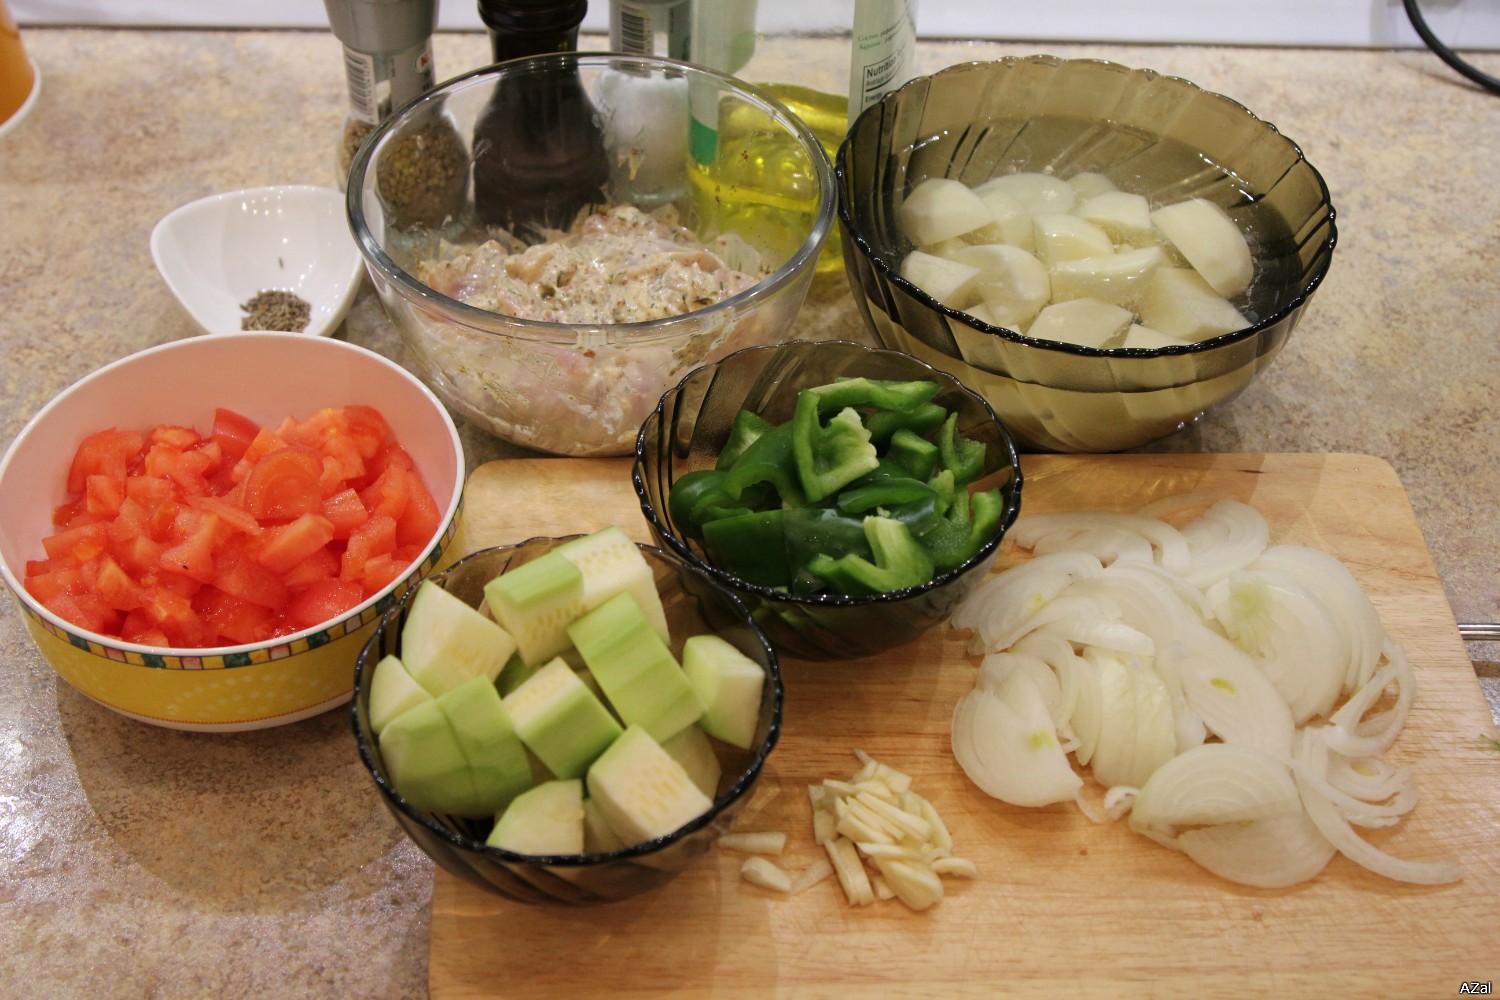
964	457
814	531
748	426
750	546
880	394
971	522
882	494
883	424
912	453
770	459
690	494
899	561
829	457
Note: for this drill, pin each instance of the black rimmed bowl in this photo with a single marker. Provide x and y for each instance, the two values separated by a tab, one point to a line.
1159	136
694	603
691	424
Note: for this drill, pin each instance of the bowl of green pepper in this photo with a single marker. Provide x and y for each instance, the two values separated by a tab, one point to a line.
851	496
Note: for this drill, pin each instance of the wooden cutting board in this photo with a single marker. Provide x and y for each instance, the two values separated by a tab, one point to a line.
1062	907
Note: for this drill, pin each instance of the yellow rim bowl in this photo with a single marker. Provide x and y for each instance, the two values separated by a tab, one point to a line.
266	377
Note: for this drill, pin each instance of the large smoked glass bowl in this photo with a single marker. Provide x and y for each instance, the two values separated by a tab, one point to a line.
693	604
512	151
1159	136
688	429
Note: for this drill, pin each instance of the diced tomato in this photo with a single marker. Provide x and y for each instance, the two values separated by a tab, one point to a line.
73	514
324	600
138	628
321	565
104	453
284	484
193	554
420	520
103	495
281	547
172	539
347	512
180	438
114	586
79	544
237	573
388	493
376	537
231	515
381	572
235	619
233	432
86	611
55	582
368	428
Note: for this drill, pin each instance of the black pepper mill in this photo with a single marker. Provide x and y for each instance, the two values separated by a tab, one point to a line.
539	154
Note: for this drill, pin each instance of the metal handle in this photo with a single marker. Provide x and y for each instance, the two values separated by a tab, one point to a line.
1479	631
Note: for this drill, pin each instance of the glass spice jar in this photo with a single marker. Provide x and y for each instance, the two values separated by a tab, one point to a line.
388	63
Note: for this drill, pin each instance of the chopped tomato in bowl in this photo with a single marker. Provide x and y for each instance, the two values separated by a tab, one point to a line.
175	538
200	535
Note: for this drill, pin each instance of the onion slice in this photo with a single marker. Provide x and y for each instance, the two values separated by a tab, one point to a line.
1264	853
1005	743
1214	784
1311	769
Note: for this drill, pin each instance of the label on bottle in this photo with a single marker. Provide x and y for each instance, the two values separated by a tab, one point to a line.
883	48
359	71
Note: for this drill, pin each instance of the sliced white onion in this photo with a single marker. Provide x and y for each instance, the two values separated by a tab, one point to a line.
1353	734
1128	642
1344	598
1265	853
1088	706
1291	636
1311	768
1233	698
1109	535
1214	784
1055	651
1136	733
1228	536
1005	598
1012	755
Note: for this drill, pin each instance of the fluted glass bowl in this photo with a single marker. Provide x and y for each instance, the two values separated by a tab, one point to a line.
1159	136
687	430
693	604
730	161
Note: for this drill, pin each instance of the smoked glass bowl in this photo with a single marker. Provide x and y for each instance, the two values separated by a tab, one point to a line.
729	160
1159	136
689	427
694	604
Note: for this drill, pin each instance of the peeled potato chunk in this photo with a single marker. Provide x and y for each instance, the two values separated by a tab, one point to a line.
941	208
1012	284
1012	221
1090	183
1038	193
1179	303
948	281
1085	322
1067	237
1118	279
1124	216
1209	240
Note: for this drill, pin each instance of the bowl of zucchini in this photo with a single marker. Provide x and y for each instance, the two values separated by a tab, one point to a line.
571	720
850	496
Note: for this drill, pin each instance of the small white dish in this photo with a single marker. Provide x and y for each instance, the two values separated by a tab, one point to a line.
218	252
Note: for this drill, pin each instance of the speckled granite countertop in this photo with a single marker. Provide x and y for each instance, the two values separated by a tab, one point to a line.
139	862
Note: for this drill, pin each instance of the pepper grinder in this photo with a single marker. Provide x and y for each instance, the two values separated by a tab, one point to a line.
539	152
